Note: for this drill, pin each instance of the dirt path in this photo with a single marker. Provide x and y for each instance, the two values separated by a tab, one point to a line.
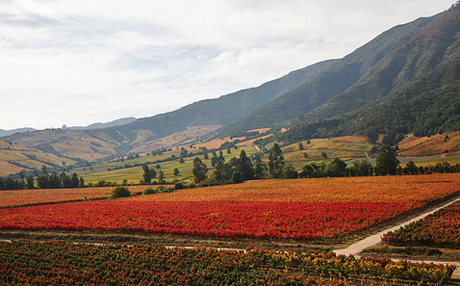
375	239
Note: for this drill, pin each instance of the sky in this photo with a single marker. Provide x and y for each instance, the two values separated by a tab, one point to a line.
77	62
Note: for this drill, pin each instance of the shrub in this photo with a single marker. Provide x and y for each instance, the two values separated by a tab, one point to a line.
178	186
120	192
162	189
149	191
192	185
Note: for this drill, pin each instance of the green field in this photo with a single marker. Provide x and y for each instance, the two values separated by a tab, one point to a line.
134	174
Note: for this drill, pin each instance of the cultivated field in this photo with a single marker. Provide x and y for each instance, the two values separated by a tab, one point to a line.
308	209
23	263
42	196
441	229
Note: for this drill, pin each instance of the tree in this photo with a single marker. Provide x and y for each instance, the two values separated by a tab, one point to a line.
43	179
386	162
181	160
275	161
30	182
245	166
336	168
371	135
199	170
176	172
259	168
75	180
289	172
300	146
120	192
361	168
412	168
161	177
214	160
324	155
223	172
147	176
82	182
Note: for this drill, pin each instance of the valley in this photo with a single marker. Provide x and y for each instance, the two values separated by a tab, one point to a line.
343	172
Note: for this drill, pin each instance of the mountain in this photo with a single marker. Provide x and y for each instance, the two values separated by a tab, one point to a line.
223	110
4	133
403	81
99	125
95	143
412	89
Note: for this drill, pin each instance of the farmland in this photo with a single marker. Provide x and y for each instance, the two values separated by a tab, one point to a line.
42	196
403	189
344	148
80	264
309	209
15	158
437	230
117	171
311	221
308	212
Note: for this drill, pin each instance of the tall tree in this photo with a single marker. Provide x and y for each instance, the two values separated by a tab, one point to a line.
245	166
386	162
300	146
147	176
199	170
275	161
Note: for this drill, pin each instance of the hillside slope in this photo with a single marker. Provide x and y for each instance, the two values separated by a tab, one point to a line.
223	110
412	67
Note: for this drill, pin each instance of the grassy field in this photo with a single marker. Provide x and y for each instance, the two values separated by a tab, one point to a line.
345	148
134	174
433	145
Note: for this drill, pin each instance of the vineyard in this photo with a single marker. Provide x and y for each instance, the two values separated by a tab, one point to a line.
439	230
42	196
401	189
308	209
59	263
311	212
298	220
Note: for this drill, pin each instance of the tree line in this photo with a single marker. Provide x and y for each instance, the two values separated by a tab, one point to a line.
42	180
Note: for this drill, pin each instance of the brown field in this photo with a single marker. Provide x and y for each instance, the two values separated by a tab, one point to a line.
182	138
260	130
18	154
434	145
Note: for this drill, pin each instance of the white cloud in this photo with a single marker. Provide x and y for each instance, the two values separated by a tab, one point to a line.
79	61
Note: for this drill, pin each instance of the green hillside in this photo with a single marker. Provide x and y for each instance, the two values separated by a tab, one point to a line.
404	81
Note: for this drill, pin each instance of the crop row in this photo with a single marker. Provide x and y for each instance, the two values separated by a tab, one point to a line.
60	263
441	229
299	220
350	189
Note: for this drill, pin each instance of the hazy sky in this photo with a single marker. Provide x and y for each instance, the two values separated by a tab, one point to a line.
77	62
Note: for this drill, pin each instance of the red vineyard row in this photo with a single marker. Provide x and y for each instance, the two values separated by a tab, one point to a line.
441	229
299	220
